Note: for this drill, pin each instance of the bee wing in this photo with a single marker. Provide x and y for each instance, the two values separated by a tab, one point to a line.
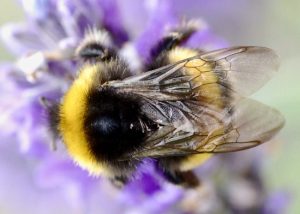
245	69
245	125
242	70
199	102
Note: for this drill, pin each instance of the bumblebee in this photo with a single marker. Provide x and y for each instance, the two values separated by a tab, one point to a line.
186	106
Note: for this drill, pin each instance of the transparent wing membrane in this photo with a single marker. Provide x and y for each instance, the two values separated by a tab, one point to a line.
200	102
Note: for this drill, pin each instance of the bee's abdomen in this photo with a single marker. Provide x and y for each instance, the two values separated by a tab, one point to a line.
113	124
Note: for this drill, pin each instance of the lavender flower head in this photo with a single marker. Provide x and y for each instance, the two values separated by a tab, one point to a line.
43	46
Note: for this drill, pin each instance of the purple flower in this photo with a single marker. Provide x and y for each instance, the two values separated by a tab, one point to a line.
43	181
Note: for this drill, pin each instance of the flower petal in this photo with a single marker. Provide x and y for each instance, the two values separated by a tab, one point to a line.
205	39
112	20
21	38
161	17
77	16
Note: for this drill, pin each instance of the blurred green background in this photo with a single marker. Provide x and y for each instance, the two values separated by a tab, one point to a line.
270	23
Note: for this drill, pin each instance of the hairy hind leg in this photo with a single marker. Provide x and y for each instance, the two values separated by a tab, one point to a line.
175	38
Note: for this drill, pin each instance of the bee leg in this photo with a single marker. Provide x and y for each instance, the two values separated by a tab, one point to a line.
95	52
52	111
119	181
175	38
187	179
96	47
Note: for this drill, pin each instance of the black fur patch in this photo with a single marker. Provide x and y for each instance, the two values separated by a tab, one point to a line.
114	124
